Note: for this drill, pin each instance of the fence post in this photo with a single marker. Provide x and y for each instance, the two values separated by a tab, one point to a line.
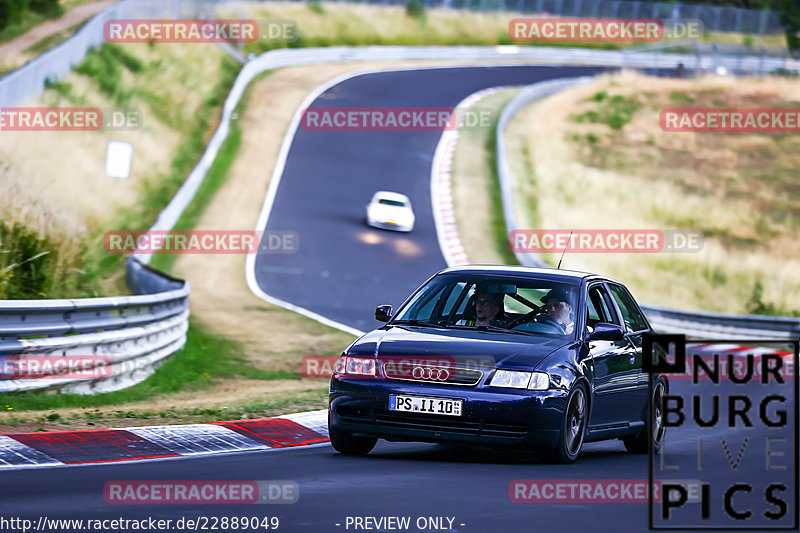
762	24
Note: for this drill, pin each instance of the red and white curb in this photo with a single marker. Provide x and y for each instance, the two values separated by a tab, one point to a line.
733	348
442	190
55	448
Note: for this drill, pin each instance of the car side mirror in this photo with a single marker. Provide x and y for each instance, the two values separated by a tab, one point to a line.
606	332
383	313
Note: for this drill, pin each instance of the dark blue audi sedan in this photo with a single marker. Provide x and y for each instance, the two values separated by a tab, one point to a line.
496	355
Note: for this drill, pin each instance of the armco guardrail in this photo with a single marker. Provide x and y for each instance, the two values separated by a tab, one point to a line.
128	335
699	324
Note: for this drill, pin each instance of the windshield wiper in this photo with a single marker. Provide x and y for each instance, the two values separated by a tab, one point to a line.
414	322
505	330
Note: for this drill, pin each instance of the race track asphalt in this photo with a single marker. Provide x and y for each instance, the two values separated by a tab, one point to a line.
424	480
344	269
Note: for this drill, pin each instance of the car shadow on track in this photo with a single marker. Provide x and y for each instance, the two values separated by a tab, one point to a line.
592	453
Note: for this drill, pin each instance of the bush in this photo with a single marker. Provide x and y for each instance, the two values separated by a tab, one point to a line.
416	10
12	12
49	8
316	7
102	64
33	266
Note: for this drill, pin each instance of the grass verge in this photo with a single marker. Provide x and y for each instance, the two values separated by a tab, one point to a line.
204	359
476	196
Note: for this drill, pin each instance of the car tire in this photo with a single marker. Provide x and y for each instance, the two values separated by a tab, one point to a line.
573	429
640	442
347	444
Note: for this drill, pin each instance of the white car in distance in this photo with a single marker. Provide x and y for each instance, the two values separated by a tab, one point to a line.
390	210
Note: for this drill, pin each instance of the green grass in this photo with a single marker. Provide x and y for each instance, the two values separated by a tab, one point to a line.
498	221
205	358
316	7
104	65
33	266
214	180
613	111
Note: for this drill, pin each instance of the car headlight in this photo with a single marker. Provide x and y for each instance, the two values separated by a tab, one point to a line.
513	379
356	366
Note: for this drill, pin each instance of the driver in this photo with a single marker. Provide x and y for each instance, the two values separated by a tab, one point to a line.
487	309
558	308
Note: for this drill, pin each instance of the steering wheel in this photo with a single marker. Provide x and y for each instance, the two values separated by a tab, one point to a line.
541	318
544	318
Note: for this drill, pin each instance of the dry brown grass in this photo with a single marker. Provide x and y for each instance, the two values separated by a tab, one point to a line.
361	24
60	176
739	189
358	24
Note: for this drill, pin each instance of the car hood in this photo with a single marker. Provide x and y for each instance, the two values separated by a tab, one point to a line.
482	348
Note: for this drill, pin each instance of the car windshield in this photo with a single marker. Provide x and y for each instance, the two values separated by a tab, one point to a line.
494	303
386	201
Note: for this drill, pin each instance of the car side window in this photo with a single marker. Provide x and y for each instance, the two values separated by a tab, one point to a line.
428	304
453	297
597	307
634	321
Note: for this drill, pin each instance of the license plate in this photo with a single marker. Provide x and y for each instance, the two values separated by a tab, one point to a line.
425	405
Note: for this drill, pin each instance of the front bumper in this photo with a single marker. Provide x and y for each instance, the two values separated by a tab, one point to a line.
491	416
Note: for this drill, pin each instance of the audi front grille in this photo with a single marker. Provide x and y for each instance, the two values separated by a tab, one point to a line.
466	377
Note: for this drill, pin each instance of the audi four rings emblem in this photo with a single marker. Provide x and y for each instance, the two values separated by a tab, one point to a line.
426	372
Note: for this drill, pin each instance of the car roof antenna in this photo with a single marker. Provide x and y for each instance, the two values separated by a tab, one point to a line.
569	240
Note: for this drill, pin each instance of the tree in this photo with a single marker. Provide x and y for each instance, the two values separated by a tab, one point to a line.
789	13
48	8
12	11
